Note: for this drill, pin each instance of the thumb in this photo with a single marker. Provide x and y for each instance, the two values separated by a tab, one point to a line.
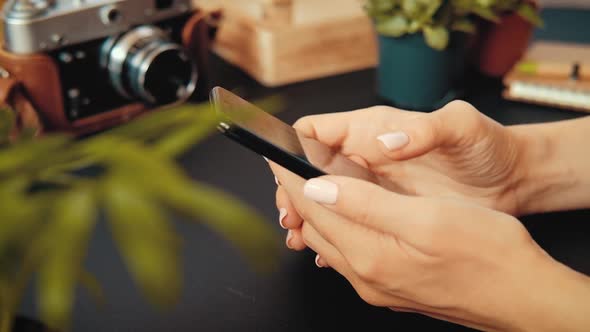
422	134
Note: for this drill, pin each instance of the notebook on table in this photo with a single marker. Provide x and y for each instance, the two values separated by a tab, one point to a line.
552	74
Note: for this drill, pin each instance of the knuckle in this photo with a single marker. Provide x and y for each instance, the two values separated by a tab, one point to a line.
309	236
378	110
459	110
431	130
460	106
304	212
306	234
431	229
303	122
517	232
371	201
370	296
368	269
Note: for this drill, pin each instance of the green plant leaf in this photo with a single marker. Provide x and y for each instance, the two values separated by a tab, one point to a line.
486	13
377	8
228	217
220	212
182	139
394	26
423	15
6	307
436	37
411	8
32	154
22	216
530	14
486	3
65	245
132	170
464	25
89	281
151	125
147	243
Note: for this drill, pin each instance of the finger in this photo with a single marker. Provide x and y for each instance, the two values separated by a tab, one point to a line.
349	133
366	204
327	252
330	129
421	134
320	262
333	257
294	240
356	242
288	216
353	239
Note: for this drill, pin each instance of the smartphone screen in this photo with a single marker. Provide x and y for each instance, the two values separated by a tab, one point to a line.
270	137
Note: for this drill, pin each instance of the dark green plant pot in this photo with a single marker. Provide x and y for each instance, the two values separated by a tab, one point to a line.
413	76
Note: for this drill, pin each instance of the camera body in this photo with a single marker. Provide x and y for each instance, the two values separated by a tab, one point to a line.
89	65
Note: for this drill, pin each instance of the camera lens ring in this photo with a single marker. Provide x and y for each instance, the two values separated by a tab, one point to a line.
143	63
120	50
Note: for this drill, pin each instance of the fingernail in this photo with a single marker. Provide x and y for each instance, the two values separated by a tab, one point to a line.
277	181
266	159
289	238
321	191
394	141
317	261
282	215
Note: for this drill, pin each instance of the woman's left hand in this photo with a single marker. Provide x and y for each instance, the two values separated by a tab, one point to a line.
445	258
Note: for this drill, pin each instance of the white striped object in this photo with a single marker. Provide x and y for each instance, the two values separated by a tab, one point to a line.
567	98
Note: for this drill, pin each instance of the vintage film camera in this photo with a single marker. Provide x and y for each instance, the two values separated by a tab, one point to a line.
86	65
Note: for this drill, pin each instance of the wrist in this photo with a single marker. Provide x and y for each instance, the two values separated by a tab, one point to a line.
549	296
543	180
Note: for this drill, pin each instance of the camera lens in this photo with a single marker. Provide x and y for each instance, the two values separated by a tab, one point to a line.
144	64
161	73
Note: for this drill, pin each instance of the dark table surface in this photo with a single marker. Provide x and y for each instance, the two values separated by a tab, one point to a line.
222	293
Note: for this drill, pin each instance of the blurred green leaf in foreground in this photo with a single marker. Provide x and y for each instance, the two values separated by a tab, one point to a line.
53	189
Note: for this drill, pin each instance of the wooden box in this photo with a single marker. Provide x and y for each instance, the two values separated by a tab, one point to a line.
286	41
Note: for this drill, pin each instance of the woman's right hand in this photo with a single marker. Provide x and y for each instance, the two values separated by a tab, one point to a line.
453	152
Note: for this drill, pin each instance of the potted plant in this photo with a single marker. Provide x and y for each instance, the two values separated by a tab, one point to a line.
502	42
423	46
53	188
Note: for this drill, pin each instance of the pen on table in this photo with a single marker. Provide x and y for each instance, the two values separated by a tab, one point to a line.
573	70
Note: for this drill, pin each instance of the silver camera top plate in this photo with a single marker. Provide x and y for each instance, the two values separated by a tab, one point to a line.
33	26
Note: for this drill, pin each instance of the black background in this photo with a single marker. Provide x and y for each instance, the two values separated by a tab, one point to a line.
223	294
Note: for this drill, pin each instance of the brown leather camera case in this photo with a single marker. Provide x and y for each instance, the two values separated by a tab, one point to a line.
39	78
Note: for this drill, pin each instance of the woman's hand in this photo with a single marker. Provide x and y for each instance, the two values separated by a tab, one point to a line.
443	257
454	152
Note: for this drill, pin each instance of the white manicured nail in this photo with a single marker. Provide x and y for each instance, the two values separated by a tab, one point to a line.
394	141
268	161
321	191
288	241
282	215
277	181
317	261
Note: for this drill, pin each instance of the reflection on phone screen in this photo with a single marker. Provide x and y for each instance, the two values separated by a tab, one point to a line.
263	127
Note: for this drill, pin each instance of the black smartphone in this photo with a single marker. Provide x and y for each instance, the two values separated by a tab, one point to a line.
270	137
